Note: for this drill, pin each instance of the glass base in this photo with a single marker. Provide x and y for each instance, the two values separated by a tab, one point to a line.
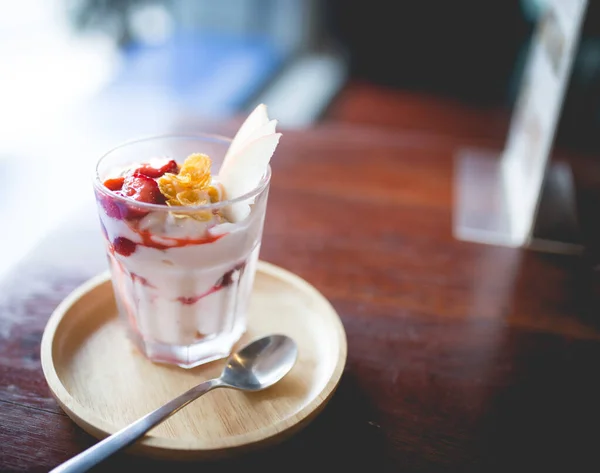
189	356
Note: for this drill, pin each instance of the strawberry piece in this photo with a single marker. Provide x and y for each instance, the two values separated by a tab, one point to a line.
142	188
134	185
115	184
129	212
124	246
147	170
110	206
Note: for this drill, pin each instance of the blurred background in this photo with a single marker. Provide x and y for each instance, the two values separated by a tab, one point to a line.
78	76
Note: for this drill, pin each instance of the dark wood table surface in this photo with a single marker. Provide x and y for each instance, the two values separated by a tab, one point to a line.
462	357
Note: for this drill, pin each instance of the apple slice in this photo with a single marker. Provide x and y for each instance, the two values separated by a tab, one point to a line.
247	159
255	120
266	129
243	172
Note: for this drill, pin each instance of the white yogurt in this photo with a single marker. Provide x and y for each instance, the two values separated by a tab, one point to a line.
177	295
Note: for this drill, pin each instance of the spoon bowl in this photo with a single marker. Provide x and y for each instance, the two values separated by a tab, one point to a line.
260	364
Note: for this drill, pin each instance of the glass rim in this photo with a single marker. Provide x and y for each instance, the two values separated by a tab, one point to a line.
99	185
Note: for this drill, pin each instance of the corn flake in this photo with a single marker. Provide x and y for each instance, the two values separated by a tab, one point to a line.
191	186
196	170
192	197
166	185
214	193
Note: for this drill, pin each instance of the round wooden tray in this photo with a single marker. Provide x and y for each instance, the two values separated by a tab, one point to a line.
103	383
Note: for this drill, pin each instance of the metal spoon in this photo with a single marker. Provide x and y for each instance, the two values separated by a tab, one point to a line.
256	366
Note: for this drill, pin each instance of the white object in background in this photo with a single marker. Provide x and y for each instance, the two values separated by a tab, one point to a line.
538	108
497	199
299	95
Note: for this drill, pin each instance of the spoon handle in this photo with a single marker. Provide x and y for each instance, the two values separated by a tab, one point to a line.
126	436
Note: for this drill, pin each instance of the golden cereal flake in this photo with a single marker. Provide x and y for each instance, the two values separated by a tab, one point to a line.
214	192
193	197
191	186
196	168
168	187
203	216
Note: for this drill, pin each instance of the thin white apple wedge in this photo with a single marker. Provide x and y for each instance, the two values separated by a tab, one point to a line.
265	130
243	170
257	119
236	212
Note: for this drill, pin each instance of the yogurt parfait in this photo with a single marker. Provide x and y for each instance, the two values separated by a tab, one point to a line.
183	217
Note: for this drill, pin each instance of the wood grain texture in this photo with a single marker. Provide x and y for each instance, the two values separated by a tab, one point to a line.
104	383
461	357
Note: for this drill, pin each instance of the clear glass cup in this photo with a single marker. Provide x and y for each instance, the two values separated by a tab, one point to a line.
182	285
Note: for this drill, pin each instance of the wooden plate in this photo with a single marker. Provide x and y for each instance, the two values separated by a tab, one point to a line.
103	383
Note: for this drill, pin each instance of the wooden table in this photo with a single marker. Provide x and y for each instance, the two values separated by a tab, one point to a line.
462	357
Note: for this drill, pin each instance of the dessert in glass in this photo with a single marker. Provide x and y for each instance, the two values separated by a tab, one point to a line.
183	217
